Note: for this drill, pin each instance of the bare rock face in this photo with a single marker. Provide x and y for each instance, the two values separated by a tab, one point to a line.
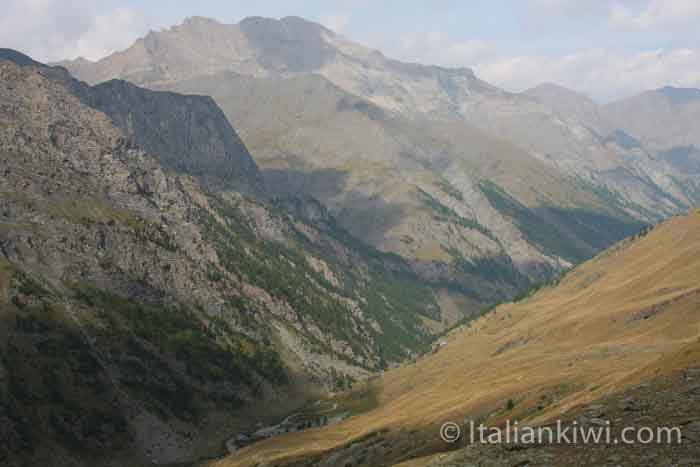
401	153
663	118
415	188
142	312
433	164
292	44
655	134
580	106
295	48
192	135
561	128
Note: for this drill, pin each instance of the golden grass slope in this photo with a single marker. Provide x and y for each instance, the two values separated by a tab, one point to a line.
617	320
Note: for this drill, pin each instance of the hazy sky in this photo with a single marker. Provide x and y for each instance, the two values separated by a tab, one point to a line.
608	49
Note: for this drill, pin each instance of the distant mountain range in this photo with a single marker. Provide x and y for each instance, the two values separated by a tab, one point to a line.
434	164
663	119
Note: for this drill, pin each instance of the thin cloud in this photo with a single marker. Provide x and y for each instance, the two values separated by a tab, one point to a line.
656	14
336	22
435	48
57	29
601	73
601	70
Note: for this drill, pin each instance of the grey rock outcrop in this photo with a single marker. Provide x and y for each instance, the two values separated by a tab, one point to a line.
140	309
189	134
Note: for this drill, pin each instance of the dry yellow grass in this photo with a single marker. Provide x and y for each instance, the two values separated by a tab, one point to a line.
630	313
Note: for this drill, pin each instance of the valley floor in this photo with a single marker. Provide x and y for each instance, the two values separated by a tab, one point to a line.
626	324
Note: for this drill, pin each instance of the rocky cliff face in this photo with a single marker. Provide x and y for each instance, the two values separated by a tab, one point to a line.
470	183
106	289
430	191
192	135
141	314
266	48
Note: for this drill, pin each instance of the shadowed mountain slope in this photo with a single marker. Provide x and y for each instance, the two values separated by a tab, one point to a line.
265	48
609	329
143	316
440	192
191	135
426	162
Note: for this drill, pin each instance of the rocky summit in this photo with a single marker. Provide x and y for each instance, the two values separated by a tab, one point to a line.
579	143
429	163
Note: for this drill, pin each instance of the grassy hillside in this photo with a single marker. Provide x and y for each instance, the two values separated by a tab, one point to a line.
616	321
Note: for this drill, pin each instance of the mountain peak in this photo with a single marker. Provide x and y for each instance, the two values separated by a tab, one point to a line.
289	44
290	26
82	60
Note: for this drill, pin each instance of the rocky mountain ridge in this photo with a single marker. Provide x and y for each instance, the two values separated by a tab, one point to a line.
461	200
196	54
150	291
654	128
154	311
192	135
269	48
662	119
